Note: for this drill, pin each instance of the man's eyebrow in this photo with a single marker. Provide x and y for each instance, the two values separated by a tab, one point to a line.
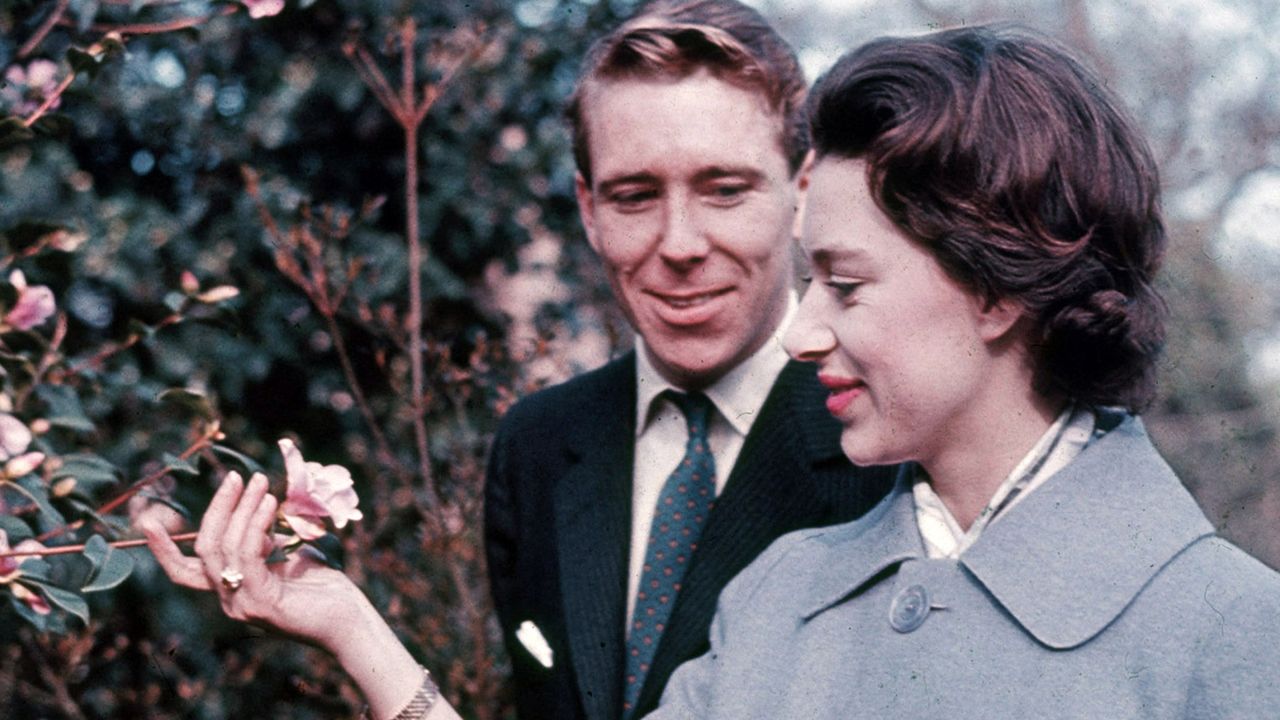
716	172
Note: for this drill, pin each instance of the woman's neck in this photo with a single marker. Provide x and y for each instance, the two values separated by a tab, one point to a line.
977	457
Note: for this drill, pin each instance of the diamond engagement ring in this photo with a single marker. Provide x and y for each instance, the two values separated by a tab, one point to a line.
232	579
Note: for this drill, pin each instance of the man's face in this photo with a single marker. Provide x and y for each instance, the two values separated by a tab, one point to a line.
691	209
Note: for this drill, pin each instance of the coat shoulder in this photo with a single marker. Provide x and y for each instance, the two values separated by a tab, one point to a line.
546	409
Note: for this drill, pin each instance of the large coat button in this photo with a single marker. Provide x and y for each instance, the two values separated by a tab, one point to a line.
909	609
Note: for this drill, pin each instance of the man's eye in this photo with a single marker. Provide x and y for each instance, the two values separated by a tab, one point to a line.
632	199
728	193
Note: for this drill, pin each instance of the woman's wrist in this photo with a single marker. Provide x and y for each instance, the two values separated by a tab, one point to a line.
368	649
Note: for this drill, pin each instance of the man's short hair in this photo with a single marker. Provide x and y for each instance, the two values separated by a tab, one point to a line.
673	39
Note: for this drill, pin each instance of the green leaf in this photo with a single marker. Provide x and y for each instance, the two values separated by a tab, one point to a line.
64	408
110	566
83	62
35	491
37	569
328	548
15	529
66	600
250	465
173	463
192	400
96	550
12	132
89	470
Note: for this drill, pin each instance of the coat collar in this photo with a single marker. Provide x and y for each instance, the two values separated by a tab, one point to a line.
1067	560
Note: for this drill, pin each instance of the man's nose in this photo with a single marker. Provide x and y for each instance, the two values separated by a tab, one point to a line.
684	241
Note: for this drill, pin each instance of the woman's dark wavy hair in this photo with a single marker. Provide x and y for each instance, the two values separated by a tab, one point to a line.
1011	163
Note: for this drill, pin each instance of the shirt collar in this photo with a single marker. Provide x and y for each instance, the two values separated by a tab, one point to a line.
738	396
1065	438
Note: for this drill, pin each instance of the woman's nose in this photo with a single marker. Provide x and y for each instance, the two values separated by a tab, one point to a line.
809	339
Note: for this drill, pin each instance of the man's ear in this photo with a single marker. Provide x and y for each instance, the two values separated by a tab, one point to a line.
586	210
802	193
997	318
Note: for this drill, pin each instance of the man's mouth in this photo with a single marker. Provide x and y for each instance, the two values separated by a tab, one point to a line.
689	308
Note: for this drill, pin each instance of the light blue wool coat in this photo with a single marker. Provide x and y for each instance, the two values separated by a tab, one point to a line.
1102	594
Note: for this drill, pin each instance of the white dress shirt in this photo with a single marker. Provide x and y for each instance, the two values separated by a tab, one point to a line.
662	432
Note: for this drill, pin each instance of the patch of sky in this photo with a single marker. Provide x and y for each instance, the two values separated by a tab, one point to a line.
1247	240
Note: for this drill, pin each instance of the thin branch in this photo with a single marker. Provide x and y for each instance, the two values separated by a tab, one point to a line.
72	549
45	28
200	444
373	78
357	391
158	28
110	350
417	258
50	100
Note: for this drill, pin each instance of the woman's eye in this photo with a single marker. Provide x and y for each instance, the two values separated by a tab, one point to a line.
843	289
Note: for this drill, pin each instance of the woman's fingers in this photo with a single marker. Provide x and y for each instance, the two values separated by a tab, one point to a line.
233	535
213	526
183	570
253	545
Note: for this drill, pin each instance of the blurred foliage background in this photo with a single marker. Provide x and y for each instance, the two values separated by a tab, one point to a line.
143	181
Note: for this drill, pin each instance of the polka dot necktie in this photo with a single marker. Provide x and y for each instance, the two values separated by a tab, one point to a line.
686	500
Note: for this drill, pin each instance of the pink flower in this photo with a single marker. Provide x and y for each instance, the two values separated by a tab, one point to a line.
263	8
14	437
34	306
27	89
315	492
33	599
9	566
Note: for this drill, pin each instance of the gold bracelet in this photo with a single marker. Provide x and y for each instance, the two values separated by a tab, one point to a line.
422	702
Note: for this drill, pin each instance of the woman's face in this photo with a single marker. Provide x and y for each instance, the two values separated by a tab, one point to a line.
902	348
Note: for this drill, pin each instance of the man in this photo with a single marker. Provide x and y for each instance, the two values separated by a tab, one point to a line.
619	503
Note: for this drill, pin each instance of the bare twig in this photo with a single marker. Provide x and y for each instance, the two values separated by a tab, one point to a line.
72	549
45	28
205	440
157	28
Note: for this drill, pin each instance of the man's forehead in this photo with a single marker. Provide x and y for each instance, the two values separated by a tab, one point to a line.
699	118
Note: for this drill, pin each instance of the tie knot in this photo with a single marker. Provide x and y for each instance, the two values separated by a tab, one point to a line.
696	408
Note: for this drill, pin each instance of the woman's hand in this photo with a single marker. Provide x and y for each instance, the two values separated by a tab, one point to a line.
300	597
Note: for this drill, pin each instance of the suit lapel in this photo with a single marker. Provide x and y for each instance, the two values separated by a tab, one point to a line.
593	528
770	489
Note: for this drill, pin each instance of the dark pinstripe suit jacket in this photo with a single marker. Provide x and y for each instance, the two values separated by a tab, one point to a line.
558	527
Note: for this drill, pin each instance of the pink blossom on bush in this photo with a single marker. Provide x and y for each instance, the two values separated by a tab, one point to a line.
35	303
14	437
33	599
9	566
26	89
263	8
315	492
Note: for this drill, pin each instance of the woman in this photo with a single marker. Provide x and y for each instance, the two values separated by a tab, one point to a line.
983	228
